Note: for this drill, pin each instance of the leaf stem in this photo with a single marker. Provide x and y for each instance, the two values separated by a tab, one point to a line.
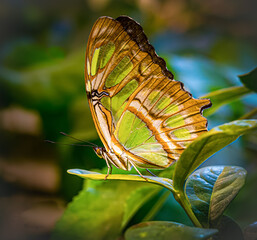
183	201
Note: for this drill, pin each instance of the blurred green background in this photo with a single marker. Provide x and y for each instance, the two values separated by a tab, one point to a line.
206	45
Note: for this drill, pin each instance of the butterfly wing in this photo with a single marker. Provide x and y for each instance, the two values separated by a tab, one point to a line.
136	105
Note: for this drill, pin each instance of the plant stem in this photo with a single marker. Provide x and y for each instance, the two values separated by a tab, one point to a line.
183	201
156	207
249	115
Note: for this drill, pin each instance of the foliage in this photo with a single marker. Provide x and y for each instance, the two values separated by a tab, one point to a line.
249	80
48	81
164	230
99	207
203	188
211	189
204	194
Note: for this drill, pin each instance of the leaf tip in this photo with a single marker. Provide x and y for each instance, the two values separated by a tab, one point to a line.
74	171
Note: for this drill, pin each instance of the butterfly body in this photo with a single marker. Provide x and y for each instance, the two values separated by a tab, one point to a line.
144	117
111	158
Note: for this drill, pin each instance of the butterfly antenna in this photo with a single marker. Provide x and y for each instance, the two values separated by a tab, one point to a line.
67	144
67	135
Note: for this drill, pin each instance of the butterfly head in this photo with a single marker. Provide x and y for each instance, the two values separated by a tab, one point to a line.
99	151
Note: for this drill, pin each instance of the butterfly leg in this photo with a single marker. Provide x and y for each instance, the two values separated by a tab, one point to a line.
151	172
109	169
138	170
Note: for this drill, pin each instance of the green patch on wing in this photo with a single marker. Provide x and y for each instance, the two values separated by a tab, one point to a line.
182	134
125	133
175	121
117	103
94	61
163	102
106	52
171	109
119	72
153	152
101	57
135	136
151	140
153	96
155	158
118	100
106	102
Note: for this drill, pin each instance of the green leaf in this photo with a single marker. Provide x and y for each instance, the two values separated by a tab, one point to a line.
211	189
102	210
250	79
164	182
46	87
206	145
137	199
221	97
24	54
167	231
156	206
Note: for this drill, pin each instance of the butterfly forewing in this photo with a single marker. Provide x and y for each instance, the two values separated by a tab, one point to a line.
135	103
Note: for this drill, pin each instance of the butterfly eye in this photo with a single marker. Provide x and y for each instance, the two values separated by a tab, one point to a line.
98	152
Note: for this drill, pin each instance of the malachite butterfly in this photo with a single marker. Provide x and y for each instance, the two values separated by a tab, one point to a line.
143	116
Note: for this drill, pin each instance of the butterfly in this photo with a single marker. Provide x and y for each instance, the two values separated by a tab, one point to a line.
143	117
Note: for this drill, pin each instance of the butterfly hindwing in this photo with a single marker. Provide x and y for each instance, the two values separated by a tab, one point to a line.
134	100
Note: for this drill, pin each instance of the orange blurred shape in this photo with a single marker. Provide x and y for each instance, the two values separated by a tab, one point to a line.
39	176
19	120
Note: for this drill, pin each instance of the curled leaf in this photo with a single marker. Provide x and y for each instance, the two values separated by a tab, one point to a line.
221	97
211	189
250	79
